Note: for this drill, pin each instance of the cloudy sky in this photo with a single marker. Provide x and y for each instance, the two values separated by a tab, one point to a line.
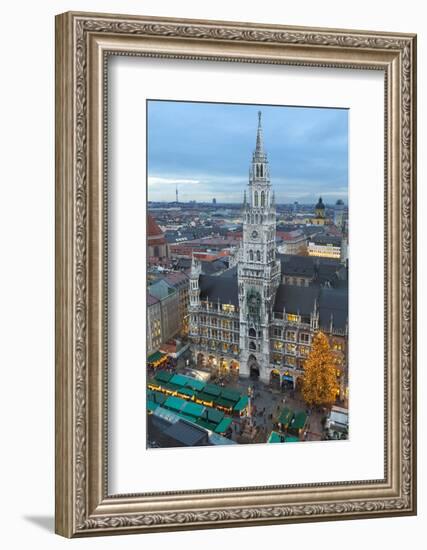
206	149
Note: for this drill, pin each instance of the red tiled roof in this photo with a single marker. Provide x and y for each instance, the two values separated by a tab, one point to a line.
153	230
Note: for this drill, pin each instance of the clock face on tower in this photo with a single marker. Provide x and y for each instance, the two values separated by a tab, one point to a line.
254	234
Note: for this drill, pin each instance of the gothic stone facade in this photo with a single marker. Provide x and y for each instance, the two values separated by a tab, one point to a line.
250	318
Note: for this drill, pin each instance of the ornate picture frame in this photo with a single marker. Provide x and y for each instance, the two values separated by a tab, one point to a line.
84	42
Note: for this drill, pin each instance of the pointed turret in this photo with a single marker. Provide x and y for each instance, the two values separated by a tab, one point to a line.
259	153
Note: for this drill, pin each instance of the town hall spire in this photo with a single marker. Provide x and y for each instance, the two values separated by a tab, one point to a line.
259	154
258	268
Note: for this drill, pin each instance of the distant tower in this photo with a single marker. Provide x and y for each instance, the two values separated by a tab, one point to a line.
258	268
214	200
339	212
176	193
320	214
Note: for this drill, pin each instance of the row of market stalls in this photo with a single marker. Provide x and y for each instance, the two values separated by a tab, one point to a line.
230	402
205	417
168	351
291	426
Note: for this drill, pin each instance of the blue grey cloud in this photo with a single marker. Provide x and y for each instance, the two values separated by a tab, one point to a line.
206	148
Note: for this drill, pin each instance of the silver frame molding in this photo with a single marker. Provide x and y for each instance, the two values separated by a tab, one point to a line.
83	43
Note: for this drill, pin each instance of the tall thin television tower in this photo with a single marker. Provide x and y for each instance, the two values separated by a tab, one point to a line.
176	192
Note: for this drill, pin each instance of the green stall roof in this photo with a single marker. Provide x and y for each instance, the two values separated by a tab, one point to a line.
241	404
275	438
223	425
291	439
231	395
212	389
151	405
155	356
186	391
299	421
159	398
174	403
163	376
213	415
193	409
194	384
285	417
178	379
224	402
205	397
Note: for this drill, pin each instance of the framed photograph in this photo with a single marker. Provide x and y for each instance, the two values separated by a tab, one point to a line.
235	274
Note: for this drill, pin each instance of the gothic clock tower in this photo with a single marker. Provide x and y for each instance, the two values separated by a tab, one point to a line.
258	268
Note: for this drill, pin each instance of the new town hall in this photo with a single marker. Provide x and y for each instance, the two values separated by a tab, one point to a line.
260	315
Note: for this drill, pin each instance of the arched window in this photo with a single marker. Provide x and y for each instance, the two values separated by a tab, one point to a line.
262	198
256	198
251	255
258	256
256	218
252	333
261	170
252	346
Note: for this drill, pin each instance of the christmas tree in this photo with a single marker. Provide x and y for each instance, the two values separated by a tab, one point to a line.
320	384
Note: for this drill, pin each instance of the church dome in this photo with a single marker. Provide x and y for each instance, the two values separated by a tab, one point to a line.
320	205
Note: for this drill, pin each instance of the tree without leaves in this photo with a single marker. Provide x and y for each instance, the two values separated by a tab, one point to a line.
320	385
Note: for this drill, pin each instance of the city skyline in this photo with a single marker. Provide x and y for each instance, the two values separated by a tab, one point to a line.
247	330
203	148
